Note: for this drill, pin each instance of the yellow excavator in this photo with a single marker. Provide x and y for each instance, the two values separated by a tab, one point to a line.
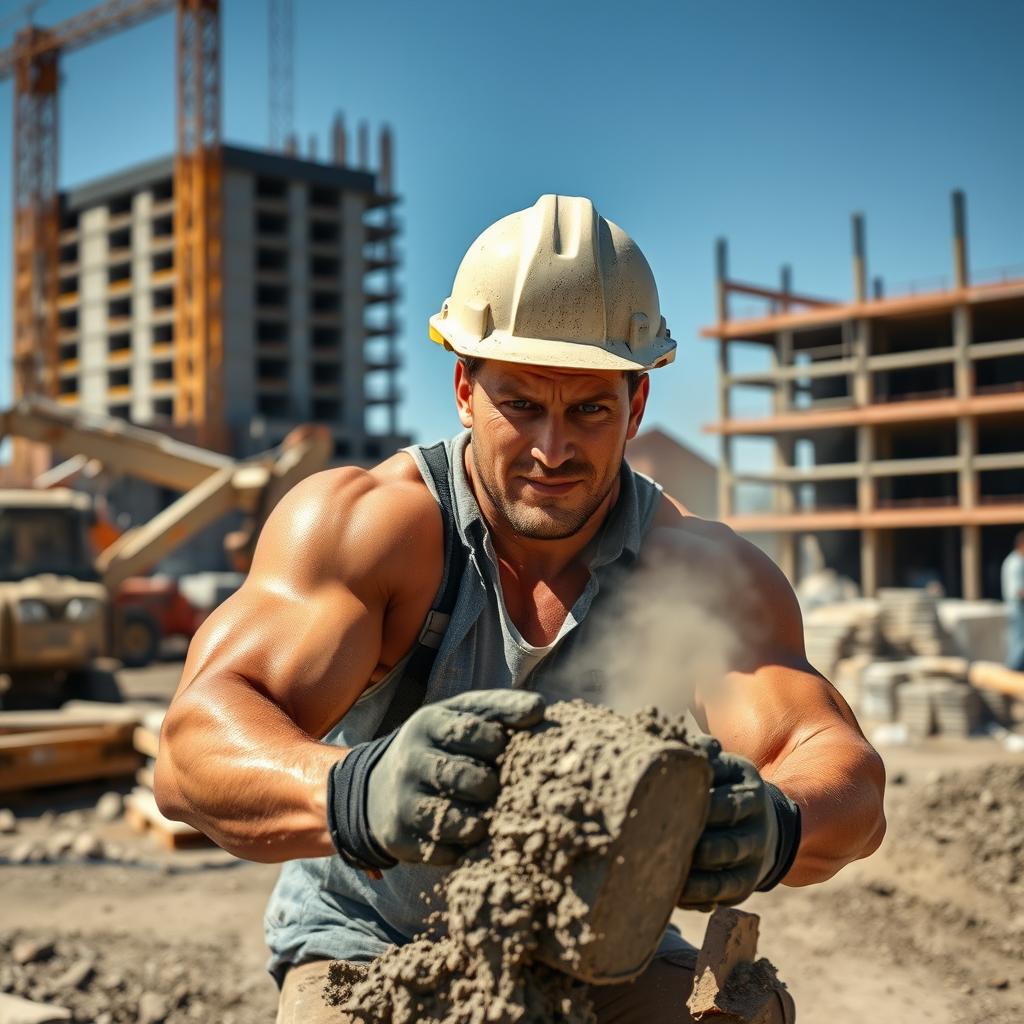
61	592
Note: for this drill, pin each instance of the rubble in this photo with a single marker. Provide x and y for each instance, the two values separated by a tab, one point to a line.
973	820
110	807
15	1010
114	978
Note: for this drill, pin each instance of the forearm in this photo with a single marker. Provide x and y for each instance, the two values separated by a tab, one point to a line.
235	766
839	785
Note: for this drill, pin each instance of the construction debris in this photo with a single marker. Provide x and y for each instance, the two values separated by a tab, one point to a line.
15	1010
111	978
730	985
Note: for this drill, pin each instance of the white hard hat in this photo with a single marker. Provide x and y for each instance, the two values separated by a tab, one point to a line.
556	285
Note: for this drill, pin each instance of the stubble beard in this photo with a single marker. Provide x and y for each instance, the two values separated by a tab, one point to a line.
550	522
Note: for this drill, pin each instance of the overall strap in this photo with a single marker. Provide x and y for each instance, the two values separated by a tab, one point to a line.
411	689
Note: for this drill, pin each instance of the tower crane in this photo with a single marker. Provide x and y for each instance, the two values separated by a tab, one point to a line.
33	62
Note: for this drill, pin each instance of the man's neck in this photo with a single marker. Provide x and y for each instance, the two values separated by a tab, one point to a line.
529	557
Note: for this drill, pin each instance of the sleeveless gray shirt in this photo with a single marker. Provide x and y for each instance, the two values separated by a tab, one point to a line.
324	909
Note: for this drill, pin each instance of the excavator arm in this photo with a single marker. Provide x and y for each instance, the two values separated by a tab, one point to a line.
213	484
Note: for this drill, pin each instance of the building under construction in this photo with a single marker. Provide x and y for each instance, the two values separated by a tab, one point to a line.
224	294
305	336
895	425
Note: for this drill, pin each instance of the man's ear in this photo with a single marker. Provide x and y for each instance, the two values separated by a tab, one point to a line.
463	394
637	405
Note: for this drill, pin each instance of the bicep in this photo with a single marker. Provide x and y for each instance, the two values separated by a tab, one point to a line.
304	630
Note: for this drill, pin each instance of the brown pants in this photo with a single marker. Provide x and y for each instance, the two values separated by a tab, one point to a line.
658	996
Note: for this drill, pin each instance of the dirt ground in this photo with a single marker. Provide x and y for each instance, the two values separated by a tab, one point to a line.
931	928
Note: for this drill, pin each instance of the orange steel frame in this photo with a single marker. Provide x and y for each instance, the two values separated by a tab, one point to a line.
198	214
33	63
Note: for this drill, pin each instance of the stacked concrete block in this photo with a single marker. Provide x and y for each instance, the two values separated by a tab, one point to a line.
909	622
880	684
958	708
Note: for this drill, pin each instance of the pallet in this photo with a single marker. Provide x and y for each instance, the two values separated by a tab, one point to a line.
143	815
48	757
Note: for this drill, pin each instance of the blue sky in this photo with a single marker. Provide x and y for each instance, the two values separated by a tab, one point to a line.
768	123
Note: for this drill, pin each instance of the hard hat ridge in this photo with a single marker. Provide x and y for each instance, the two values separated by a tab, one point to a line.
556	285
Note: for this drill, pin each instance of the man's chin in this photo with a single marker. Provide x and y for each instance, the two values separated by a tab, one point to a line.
545	523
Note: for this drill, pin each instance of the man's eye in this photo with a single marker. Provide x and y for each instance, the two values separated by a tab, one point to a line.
520	404
590	408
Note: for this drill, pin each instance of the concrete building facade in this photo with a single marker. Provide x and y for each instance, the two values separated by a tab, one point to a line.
309	300
895	426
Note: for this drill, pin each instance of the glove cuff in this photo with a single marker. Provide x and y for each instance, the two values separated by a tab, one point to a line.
787	816
348	787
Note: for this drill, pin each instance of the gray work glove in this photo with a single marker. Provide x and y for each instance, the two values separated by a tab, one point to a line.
418	795
750	838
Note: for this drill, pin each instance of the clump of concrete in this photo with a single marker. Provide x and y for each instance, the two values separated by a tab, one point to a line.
588	847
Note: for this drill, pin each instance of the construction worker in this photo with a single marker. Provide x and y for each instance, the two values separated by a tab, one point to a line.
1013	594
342	712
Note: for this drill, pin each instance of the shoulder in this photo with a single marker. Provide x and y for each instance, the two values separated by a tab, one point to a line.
349	522
730	577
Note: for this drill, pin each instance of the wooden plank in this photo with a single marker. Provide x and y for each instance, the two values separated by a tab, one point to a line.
73	715
145	741
143	815
65	755
990	675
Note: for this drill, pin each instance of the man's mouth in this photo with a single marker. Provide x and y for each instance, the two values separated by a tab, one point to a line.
551	487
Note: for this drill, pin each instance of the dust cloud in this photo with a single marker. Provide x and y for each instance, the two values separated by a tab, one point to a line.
674	624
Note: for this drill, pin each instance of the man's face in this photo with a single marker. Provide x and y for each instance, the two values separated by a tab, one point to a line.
547	444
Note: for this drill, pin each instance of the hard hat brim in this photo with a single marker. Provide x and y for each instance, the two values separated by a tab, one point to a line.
575	355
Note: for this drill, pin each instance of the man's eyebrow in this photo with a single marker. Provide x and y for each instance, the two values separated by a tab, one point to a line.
600	396
509	386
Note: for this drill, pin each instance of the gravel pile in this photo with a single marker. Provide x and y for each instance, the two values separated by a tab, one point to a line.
978	819
110	978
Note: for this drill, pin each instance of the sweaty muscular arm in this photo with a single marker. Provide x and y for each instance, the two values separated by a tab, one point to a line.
772	707
345	558
778	712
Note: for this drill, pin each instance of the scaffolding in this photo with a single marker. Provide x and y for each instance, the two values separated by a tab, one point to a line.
895	422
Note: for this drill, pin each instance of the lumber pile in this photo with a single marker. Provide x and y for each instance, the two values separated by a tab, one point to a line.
81	741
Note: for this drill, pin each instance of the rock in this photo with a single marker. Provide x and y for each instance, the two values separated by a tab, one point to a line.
60	842
22	853
8	822
73	819
110	806
76	976
88	846
153	1009
999	983
30	951
14	1010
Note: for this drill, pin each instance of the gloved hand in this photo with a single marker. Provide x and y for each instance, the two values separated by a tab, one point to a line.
750	838
418	794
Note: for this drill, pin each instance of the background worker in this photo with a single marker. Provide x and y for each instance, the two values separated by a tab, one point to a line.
344	709
1013	595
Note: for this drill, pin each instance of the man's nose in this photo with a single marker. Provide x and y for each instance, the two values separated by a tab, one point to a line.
552	446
